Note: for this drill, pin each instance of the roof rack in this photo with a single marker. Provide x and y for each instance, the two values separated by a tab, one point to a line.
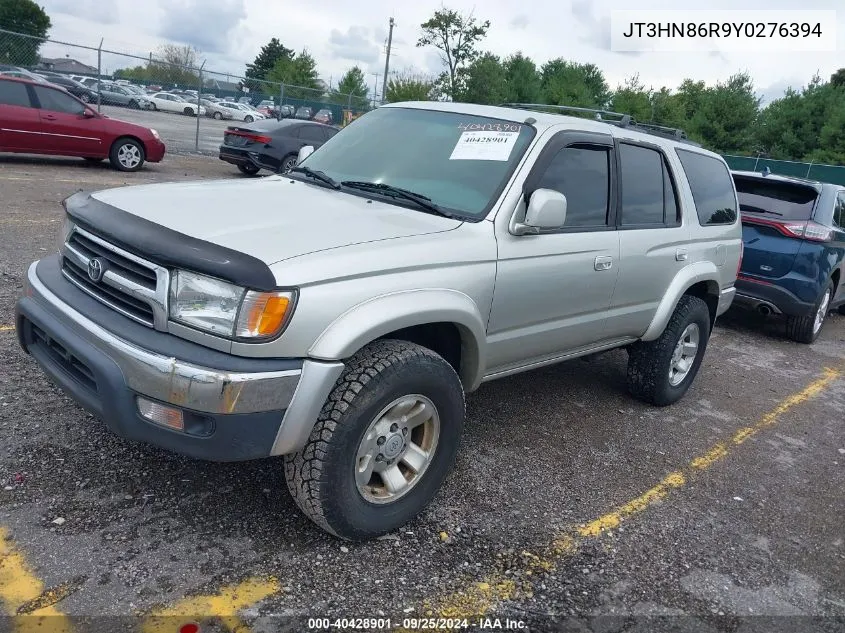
616	118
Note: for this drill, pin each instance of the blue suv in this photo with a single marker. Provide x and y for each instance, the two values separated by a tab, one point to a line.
793	233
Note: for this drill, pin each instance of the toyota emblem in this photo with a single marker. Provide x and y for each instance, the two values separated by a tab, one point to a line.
96	269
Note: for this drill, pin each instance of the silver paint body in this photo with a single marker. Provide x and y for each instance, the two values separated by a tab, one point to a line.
367	268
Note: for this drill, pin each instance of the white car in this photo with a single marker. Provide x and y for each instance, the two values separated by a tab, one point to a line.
242	112
174	103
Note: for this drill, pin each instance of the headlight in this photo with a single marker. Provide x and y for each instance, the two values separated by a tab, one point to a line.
228	310
155	133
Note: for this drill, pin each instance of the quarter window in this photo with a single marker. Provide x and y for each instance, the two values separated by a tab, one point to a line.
13	93
582	174
712	188
311	133
56	101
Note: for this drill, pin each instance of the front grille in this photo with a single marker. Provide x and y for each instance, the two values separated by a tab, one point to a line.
118	263
60	355
129	284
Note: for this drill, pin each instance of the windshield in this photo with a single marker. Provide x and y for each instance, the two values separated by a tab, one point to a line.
460	161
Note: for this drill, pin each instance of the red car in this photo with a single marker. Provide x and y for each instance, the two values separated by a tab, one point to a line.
38	118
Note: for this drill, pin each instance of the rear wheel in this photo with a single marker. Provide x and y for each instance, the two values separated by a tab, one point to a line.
248	169
842	309
84	98
188	112
660	372
383	444
807	329
153	106
218	116
127	155
248	119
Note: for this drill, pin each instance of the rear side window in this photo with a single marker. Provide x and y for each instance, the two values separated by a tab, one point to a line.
839	210
311	133
778	199
582	174
13	93
648	196
56	101
712	187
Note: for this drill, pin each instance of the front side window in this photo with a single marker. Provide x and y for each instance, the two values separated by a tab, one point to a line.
460	161
56	101
712	187
582	174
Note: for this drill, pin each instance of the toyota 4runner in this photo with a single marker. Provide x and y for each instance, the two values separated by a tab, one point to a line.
337	315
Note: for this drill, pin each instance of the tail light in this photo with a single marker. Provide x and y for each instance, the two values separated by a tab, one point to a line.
808	230
258	138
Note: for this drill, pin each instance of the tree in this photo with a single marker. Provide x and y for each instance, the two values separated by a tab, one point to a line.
26	17
171	65
727	115
838	78
633	98
573	84
351	89
667	109
299	74
407	86
483	81
691	95
456	36
264	62
523	80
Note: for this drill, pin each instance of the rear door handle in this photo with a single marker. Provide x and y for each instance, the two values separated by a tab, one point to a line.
49	117
681	255
603	262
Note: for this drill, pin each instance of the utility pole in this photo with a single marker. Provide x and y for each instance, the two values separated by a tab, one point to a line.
387	60
375	88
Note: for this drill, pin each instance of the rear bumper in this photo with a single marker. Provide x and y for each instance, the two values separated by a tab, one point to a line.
242	157
754	295
250	412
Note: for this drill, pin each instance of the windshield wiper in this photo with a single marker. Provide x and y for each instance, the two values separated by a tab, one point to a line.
397	192
317	175
751	209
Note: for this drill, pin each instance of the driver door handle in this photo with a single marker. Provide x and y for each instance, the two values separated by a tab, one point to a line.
603	262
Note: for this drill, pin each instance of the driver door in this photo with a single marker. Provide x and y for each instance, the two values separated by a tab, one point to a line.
65	129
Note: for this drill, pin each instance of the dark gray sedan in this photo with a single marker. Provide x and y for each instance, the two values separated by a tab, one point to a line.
270	144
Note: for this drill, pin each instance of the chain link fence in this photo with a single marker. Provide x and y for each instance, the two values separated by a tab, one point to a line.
814	171
170	89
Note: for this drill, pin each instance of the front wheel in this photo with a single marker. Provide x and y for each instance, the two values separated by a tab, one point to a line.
661	371
384	442
248	119
134	105
188	112
218	116
807	329
288	163
84	98
127	155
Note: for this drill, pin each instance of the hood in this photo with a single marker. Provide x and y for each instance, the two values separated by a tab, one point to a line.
272	218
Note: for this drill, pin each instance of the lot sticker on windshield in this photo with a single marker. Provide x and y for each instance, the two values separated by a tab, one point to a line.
484	146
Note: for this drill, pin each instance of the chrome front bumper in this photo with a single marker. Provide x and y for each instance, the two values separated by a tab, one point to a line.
298	394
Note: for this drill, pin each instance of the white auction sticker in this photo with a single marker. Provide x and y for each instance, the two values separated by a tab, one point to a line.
484	146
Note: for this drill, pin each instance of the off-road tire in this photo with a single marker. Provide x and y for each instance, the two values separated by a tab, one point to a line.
649	361
800	329
248	169
841	309
321	477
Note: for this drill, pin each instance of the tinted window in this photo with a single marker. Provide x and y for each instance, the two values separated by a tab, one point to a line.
14	94
56	101
839	211
642	185
712	187
582	174
330	132
311	133
777	199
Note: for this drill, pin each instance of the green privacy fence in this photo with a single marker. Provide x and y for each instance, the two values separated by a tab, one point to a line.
813	171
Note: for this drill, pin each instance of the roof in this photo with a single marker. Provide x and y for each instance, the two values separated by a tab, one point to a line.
67	64
543	121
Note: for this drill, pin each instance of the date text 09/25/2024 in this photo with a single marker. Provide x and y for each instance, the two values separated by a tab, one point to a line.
416	624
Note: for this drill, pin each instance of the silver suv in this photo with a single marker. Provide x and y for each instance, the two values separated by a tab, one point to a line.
338	314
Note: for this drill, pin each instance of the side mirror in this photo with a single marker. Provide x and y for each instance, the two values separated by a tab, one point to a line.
304	153
89	114
546	210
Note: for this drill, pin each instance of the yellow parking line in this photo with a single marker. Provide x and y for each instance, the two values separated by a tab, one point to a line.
21	592
6	328
479	598
223	606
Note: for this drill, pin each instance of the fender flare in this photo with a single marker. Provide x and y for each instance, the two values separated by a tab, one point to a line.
387	313
683	281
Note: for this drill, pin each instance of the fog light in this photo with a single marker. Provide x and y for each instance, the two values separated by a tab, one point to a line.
161	414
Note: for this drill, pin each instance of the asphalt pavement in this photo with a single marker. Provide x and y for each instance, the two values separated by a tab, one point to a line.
572	507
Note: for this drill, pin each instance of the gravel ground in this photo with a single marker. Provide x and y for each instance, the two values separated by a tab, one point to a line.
752	527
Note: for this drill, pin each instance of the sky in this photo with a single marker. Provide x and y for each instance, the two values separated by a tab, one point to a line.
340	34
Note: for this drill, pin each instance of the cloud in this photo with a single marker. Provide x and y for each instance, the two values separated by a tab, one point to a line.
519	22
96	11
356	44
205	24
596	30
